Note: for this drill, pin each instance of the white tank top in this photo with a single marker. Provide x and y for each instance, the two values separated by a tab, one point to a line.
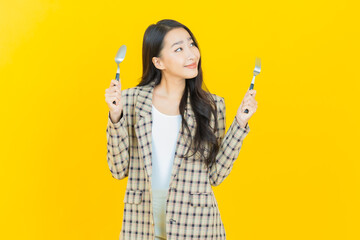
165	131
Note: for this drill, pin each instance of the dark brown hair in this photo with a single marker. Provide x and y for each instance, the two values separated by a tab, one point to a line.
201	100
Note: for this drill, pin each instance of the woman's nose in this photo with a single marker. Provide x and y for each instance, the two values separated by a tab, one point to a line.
191	54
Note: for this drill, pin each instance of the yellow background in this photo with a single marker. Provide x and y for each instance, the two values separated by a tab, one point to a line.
297	175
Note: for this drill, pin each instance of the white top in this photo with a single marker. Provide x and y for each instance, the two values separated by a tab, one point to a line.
165	130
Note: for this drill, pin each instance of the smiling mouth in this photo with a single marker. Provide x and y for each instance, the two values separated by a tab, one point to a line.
191	65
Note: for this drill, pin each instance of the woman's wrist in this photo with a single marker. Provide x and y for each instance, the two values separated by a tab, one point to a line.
241	123
116	118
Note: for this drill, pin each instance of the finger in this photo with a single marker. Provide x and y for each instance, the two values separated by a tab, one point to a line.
114	83
118	93
246	98
116	88
112	104
249	100
247	106
119	83
252	108
246	103
110	90
250	94
253	101
117	100
110	100
246	94
114	94
110	95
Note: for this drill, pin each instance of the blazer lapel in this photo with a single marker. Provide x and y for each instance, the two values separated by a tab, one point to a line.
143	130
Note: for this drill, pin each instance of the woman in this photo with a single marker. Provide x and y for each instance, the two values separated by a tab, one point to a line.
167	135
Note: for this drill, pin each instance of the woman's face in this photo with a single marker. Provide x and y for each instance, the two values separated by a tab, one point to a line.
179	51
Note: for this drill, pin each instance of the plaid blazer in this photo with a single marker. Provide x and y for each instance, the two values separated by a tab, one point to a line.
191	211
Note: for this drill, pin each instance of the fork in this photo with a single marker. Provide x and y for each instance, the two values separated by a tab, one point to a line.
256	72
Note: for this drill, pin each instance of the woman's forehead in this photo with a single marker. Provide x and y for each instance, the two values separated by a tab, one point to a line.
176	36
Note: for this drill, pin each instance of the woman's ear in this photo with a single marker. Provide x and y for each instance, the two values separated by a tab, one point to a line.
157	63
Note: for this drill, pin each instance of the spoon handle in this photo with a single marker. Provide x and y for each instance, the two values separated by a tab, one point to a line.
117	78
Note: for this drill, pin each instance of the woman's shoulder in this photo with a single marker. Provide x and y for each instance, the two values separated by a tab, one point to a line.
129	94
136	90
130	91
217	99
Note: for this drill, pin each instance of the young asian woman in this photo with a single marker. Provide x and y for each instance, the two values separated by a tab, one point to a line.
167	135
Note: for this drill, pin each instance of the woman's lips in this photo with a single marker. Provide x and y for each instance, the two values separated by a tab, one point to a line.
192	65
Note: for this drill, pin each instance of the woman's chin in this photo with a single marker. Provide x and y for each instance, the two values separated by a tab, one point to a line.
188	76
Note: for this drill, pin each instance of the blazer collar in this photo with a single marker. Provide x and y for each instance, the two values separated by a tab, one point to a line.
143	130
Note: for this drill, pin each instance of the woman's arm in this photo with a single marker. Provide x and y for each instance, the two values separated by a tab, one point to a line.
231	143
118	142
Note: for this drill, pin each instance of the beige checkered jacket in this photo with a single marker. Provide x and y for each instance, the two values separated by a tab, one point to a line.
192	211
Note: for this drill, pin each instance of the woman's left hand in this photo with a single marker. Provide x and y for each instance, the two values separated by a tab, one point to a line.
249	103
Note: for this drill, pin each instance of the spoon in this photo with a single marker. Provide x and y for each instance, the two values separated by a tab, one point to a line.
120	55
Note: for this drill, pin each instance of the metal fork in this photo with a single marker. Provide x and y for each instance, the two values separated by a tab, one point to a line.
256	72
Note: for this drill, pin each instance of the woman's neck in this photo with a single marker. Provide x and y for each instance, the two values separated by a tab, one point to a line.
171	89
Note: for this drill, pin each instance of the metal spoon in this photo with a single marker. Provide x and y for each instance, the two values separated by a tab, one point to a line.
256	72
120	55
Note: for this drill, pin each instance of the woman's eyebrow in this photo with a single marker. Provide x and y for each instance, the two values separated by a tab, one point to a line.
179	42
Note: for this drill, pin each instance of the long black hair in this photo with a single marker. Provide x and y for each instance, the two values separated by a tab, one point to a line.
202	102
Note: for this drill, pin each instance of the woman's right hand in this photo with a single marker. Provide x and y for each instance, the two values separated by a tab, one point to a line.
113	94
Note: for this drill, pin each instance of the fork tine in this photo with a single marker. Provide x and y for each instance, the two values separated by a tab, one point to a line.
256	72
258	62
257	66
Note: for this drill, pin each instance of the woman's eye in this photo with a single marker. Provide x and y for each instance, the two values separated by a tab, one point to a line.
181	48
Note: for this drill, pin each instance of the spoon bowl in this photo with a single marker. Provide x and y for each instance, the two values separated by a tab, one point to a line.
120	55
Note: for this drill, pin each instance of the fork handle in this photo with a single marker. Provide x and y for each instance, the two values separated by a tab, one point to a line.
251	88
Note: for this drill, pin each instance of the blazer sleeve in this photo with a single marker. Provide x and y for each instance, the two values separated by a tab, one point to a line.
231	143
118	143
